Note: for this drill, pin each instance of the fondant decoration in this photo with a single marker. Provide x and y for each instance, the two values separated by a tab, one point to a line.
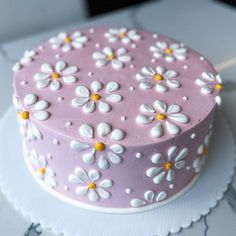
88	183
105	154
122	34
170	52
166	116
53	75
159	77
149	197
99	96
39	164
117	58
167	165
27	58
209	82
67	42
202	152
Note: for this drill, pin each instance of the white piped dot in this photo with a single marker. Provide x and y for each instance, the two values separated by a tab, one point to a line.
210	126
131	66
66	188
185	67
185	98
97	45
171	186
138	155
60	99
68	124
41	47
55	141
123	118
188	168
91	30
23	82
57	56
202	58
49	156
133	45
131	88
182	44
193	136
153	60
155	36
128	190
90	73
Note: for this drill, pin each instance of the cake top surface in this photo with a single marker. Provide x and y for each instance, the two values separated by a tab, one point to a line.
115	84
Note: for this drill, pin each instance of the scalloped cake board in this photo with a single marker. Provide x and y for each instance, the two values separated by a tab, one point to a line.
40	206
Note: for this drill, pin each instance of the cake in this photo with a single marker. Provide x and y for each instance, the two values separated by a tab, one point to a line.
115	120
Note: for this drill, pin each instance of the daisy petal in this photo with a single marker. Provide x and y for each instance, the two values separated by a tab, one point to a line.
82	91
55	85
159	178
146	85
41	76
172	128
157	131
43	83
117	148
46	68
170	74
93	196
114	98
74	179
182	154
78	146
89	107
121	51
157	158
70	70
82	174
173	83
98	56
60	66
94	175
116	64
180	164
104	107
104	194
69	79
173	109
179	117
172	151
153	171
170	175
79	102
137	202
103	129
96	86
160	105
114	158
147	108
106	183
208	89
161	196
82	190
101	62
161	87
124	58
86	131
103	163
144	119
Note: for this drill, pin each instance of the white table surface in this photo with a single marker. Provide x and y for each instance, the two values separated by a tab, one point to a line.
204	25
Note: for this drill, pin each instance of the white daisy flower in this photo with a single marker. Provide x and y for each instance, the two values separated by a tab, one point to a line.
122	34
116	58
99	96
166	167
105	154
68	42
159	77
202	152
52	75
42	171
208	82
27	58
149	197
88	184
27	128
168	117
170	52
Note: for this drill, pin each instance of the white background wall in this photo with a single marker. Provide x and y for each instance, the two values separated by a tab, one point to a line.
19	18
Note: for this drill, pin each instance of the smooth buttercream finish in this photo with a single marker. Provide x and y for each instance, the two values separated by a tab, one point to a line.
111	115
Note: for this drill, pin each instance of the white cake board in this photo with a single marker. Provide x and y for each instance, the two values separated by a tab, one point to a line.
38	205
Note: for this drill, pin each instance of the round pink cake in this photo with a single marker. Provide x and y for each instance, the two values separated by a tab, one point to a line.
113	119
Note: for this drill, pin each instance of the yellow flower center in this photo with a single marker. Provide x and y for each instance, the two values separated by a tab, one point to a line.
122	35
158	77
95	97
205	151
92	185
168	165
68	40
112	56
219	86
55	75
168	50
161	116
25	115
42	171
100	146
